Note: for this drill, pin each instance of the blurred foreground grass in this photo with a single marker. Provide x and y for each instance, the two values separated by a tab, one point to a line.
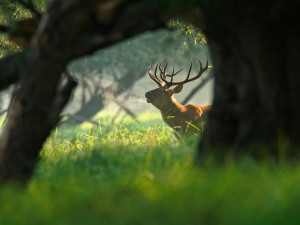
138	173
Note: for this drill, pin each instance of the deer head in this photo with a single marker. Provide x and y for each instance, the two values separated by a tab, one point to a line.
161	97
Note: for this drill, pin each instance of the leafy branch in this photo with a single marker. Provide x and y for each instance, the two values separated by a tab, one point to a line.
193	34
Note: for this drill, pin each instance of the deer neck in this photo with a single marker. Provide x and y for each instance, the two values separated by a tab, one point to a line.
171	108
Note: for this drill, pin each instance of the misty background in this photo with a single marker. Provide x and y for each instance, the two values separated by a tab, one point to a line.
116	79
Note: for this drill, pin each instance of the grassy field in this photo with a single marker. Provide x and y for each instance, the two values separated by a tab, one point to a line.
138	173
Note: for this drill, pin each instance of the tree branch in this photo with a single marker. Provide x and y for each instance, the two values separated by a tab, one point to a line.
11	67
123	107
3	112
90	43
62	98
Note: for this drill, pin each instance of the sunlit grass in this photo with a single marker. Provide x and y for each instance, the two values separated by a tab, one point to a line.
138	173
128	133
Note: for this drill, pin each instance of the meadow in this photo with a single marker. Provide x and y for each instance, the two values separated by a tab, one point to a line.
134	173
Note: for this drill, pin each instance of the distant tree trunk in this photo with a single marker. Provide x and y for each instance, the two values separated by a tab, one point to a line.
97	101
87	110
255	49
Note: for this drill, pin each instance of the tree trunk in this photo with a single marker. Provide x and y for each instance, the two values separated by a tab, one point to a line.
255	50
38	101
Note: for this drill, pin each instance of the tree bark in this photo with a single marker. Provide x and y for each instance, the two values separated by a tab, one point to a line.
255	50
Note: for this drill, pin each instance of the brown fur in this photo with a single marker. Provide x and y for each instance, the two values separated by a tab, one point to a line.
178	116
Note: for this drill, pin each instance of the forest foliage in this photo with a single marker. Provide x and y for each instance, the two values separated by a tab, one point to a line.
11	13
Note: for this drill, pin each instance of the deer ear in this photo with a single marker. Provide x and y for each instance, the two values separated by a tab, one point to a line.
178	88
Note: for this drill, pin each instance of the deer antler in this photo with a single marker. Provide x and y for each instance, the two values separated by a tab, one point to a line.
164	75
171	83
154	77
164	71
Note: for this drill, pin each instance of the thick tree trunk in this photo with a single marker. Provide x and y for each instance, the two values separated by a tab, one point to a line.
38	101
255	50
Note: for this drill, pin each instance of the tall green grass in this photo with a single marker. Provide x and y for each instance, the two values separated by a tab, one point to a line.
138	173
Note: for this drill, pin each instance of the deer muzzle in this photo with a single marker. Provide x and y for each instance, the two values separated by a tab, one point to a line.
148	97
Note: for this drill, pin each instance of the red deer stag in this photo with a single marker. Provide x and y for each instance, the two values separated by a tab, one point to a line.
179	117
